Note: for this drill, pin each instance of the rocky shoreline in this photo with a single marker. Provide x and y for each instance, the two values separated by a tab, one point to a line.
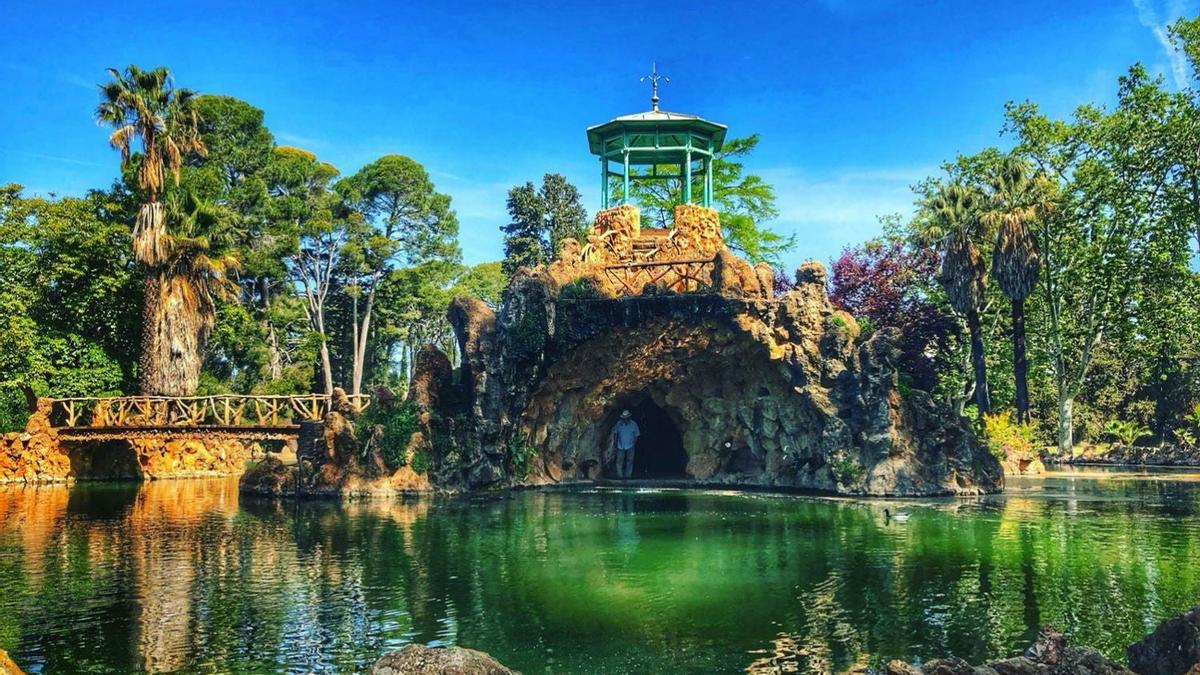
1136	455
1172	649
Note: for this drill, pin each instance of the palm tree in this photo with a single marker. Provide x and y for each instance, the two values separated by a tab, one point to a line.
196	271
954	213
1013	203
144	108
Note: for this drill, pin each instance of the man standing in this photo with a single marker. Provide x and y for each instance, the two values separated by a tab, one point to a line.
624	437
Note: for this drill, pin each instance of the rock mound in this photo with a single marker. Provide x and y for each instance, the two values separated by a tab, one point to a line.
420	660
334	460
780	392
34	455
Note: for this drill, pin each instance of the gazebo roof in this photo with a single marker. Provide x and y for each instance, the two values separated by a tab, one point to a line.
654	121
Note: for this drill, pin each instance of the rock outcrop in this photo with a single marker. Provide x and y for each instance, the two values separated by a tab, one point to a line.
780	392
34	455
1172	649
7	666
420	660
1166	455
335	460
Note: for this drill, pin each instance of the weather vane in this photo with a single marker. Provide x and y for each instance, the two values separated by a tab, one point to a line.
654	77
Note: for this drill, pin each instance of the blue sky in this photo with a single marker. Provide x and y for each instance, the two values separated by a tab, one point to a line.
855	101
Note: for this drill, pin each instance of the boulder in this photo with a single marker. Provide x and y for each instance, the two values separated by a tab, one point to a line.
417	659
8	666
1172	649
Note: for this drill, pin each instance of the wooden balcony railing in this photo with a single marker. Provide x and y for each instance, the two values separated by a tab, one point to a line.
680	276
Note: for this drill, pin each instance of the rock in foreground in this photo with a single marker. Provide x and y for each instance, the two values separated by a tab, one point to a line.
421	660
1172	649
1048	655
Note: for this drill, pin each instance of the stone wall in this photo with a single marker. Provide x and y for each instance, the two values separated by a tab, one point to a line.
772	392
174	454
43	454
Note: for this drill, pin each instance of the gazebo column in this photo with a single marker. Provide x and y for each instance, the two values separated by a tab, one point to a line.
687	178
603	182
708	182
625	178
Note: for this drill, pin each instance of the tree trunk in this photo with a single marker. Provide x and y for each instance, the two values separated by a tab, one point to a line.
983	400
361	335
326	366
1020	363
274	352
1066	423
175	329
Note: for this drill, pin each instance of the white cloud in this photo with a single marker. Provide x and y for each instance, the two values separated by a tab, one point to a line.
1150	17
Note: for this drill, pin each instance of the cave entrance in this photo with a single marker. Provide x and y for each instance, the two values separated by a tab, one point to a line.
660	451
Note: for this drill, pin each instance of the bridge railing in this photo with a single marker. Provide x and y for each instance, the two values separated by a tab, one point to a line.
227	410
681	276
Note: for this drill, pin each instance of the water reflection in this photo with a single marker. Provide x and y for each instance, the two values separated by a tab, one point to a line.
182	575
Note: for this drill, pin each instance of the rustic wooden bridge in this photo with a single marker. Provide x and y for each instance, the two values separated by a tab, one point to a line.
265	416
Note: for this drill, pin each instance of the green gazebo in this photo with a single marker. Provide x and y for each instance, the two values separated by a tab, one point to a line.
653	139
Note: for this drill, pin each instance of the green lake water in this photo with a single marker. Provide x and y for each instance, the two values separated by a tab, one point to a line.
189	576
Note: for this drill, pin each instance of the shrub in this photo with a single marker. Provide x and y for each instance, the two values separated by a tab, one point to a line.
1126	432
420	463
1193	417
398	423
846	470
520	455
1186	438
1005	438
579	289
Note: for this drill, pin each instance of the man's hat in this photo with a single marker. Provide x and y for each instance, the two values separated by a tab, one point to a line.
625	414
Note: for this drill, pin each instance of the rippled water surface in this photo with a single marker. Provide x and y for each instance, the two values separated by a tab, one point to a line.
188	576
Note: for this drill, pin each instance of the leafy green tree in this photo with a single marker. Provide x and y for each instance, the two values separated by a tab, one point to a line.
541	219
485	281
405	222
1097	250
301	211
745	202
250	340
69	298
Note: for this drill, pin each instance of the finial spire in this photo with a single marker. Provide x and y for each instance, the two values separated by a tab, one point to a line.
654	78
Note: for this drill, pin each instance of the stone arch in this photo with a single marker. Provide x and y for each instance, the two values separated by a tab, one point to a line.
660	452
737	416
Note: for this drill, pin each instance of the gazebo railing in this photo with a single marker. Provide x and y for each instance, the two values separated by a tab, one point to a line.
681	276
